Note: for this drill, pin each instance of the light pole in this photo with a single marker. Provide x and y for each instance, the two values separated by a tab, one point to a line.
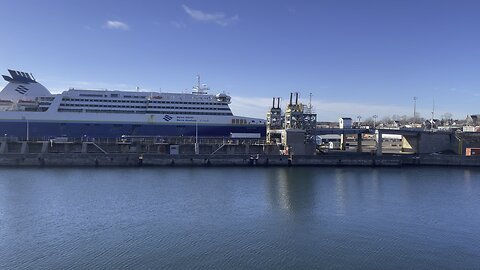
374	121
26	121
359	118
414	112
196	138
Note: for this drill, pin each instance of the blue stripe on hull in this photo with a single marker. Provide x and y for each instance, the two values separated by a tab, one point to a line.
77	130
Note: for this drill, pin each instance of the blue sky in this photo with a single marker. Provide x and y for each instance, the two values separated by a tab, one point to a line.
355	57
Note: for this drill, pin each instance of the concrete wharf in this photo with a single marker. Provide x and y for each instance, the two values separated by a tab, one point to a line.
100	154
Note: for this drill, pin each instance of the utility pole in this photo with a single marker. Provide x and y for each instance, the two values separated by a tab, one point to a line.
433	109
374	121
414	112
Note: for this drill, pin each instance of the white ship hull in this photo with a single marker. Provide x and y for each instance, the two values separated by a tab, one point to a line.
28	110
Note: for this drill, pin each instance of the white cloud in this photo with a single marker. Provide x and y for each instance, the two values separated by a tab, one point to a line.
253	107
291	10
179	25
58	86
218	17
331	110
117	25
465	92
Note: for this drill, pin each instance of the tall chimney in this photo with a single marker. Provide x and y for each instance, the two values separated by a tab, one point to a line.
273	104
291	96
296	98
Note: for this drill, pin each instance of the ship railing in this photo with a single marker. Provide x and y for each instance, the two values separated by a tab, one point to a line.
147	140
186	140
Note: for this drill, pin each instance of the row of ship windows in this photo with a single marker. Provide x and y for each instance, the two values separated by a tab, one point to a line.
118	96
240	121
144	107
141	112
142	101
111	95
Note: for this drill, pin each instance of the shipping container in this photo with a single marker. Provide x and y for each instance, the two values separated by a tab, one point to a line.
472	151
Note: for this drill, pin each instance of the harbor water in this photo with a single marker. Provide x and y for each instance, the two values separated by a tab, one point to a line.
240	218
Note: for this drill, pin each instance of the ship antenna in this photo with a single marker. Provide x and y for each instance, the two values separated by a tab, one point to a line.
310	103
198	83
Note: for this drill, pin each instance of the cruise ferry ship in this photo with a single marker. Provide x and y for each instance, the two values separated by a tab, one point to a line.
29	110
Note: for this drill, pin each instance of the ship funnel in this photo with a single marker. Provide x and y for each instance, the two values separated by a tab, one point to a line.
22	86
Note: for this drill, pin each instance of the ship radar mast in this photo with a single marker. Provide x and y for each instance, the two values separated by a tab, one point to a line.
200	89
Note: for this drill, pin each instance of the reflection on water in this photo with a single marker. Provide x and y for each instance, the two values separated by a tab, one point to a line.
468	180
340	192
376	185
240	218
291	190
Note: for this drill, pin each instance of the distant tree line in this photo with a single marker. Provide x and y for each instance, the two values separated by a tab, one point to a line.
445	119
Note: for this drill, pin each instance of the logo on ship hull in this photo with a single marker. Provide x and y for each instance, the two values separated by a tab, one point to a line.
167	118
